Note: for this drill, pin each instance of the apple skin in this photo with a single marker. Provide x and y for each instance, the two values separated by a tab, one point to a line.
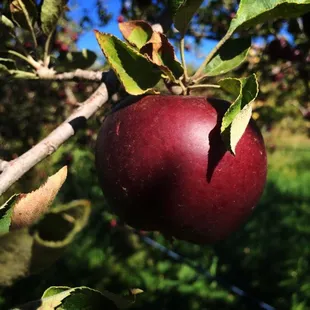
162	166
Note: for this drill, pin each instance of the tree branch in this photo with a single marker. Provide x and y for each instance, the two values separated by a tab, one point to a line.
16	168
3	164
77	75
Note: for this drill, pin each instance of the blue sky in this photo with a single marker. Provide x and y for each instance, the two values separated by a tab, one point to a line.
87	39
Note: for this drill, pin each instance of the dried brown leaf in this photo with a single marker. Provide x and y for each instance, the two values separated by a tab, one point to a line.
32	206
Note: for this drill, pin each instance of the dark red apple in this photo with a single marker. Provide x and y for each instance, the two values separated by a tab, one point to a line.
162	166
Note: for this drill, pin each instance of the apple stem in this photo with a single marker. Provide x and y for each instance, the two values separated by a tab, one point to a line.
184	89
211	55
182	53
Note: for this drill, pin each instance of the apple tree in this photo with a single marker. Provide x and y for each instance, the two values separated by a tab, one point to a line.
167	158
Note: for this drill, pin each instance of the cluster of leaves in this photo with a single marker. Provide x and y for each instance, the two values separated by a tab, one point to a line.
101	251
150	50
29	38
278	63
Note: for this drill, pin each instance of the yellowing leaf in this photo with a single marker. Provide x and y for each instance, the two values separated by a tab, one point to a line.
33	205
159	50
136	32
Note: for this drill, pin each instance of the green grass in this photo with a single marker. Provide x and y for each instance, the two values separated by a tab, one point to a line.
268	257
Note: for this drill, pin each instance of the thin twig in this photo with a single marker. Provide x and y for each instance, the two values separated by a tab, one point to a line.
211	55
19	166
79	75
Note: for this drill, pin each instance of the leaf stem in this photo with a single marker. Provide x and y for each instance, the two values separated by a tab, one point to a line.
28	22
183	59
200	79
204	86
211	55
46	58
28	58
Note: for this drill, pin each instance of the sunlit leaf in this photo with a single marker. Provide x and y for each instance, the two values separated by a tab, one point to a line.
161	52
135	71
229	56
51	11
238	114
136	32
251	13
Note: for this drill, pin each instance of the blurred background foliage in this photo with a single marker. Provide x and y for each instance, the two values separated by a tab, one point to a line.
268	257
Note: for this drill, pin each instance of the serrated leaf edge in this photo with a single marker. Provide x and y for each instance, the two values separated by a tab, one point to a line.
115	71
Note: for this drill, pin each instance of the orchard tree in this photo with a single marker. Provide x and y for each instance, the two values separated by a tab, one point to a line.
191	167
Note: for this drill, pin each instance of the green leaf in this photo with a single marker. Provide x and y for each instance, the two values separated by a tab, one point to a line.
6	22
174	5
185	13
81	298
54	290
51	11
251	13
24	13
75	60
66	298
229	56
135	71
159	50
6	213
27	251
136	32
238	115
